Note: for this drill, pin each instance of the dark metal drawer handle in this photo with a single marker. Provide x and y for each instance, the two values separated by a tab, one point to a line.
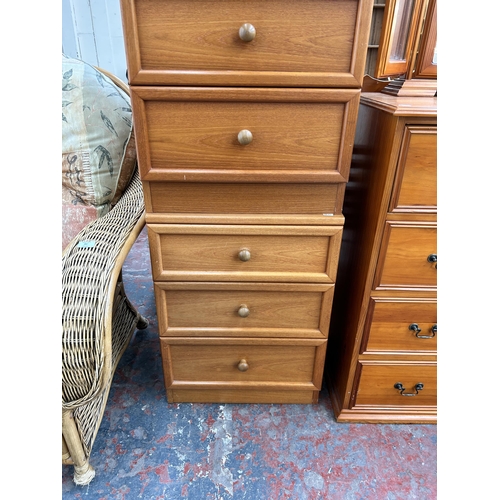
414	327
433	258
401	388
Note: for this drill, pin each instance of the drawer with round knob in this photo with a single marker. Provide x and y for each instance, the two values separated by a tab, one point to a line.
400	325
396	384
299	310
241	42
206	252
245	135
408	257
229	364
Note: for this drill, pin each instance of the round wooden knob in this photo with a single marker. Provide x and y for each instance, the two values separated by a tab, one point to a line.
243	311
244	255
243	365
245	137
247	32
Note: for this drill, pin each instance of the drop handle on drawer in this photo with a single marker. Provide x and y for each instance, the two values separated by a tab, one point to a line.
244	254
414	327
243	365
243	311
433	259
247	32
401	388
245	137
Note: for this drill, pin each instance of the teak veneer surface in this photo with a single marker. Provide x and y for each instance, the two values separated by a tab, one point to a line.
275	310
297	43
403	256
234	329
278	253
376	385
261	199
193	132
387	328
385	281
415	186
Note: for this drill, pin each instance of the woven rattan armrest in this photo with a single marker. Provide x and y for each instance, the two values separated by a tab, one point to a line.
91	268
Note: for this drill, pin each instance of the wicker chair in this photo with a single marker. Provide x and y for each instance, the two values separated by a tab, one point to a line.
97	318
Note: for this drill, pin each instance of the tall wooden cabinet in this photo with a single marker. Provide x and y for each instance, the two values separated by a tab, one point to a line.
382	354
245	113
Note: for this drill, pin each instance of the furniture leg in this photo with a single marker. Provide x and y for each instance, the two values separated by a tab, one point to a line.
84	472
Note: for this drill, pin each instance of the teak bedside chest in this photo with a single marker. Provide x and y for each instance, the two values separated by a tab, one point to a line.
245	113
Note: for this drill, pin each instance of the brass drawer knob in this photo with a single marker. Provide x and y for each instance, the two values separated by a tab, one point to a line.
401	388
247	32
244	254
245	137
243	365
243	311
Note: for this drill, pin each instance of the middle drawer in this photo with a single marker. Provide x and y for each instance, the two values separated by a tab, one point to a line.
205	252
299	310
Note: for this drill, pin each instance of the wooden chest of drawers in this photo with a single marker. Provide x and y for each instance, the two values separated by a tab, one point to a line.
382	354
245	113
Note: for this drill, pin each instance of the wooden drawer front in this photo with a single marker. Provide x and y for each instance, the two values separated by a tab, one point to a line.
192	134
244	310
376	385
212	252
271	363
197	42
223	198
416	179
403	261
388	326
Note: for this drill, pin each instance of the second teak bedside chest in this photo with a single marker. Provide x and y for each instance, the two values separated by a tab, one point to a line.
245	113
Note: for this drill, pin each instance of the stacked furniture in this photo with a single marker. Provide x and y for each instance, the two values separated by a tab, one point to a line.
382	356
245	113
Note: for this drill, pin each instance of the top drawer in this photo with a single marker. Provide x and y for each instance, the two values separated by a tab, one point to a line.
197	42
415	187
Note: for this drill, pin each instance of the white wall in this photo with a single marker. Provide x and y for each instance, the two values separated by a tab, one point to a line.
92	31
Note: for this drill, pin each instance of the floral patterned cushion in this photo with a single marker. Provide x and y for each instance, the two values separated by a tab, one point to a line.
98	147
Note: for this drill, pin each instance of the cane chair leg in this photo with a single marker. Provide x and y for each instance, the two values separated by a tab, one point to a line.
142	323
66	455
84	472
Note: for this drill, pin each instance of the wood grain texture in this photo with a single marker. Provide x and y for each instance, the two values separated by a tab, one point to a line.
403	257
297	43
192	133
209	194
275	310
415	185
388	321
384	277
208	364
376	385
246	218
283	395
322	200
210	252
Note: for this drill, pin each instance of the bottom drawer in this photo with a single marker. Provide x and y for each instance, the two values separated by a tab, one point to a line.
379	385
228	367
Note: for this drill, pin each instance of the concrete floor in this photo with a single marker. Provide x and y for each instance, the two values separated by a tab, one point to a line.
147	448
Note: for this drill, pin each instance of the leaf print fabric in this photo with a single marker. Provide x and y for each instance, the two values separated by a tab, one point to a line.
96	132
